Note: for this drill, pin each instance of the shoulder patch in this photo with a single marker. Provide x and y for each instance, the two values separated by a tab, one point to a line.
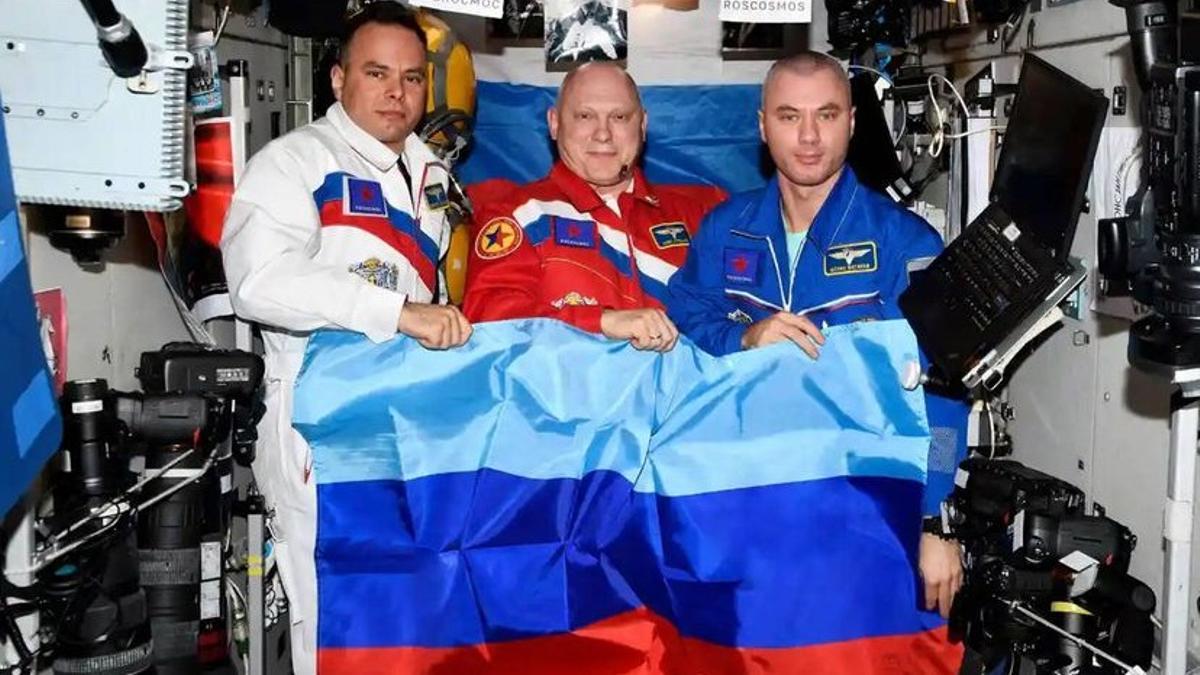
741	266
670	235
857	258
497	238
575	233
364	198
436	198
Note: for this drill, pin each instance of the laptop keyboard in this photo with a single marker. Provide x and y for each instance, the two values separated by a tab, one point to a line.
987	273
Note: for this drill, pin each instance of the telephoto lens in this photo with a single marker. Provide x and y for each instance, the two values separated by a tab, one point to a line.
89	438
94	593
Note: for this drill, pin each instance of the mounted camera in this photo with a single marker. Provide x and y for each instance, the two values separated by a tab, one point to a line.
1046	585
130	570
1153	253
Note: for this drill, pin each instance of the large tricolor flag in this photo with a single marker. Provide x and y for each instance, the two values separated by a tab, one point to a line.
543	501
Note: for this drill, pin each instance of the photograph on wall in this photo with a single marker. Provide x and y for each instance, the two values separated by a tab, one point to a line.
677	5
742	41
521	26
578	31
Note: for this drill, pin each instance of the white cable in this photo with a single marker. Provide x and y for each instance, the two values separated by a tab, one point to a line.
940	134
1120	180
939	76
220	29
987	405
1017	606
935	146
178	486
42	562
231	584
870	70
94	513
964	134
140	507
888	79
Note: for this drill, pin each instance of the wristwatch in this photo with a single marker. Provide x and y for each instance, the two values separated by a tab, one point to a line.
933	525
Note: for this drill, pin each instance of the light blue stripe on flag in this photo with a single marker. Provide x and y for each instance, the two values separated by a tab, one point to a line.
539	399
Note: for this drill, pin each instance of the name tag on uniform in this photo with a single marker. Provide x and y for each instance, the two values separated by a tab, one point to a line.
436	198
741	266
575	233
670	235
364	198
857	258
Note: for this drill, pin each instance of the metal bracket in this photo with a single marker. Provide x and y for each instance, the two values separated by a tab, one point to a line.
169	59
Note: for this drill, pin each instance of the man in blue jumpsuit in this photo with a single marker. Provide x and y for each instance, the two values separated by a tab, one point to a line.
816	248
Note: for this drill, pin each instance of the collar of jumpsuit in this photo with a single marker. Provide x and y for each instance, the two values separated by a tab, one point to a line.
826	230
584	197
372	149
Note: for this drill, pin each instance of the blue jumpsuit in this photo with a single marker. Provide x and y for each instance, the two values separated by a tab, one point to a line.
855	263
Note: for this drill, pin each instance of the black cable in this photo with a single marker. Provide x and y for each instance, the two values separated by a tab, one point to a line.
120	43
8	620
102	12
14	632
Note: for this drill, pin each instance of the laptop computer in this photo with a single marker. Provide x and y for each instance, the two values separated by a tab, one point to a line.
977	301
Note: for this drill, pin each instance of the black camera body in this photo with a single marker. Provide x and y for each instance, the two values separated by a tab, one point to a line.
857	24
1153	252
230	380
140	576
185	367
1029	543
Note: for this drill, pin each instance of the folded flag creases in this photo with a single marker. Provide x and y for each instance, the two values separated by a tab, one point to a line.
545	501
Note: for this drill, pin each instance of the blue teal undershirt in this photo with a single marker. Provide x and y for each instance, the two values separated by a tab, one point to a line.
795	244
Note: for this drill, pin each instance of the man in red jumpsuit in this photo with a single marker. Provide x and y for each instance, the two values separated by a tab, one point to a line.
592	243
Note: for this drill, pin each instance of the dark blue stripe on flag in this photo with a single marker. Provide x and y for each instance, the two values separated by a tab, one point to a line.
487	556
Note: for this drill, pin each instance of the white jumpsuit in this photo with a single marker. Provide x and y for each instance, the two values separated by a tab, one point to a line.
324	232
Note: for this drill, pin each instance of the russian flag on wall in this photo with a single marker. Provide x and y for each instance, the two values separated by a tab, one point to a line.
542	501
697	135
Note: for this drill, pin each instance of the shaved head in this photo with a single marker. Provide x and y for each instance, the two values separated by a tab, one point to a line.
807	63
595	71
807	119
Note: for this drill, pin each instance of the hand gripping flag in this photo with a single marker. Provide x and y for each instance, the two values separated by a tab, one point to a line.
545	501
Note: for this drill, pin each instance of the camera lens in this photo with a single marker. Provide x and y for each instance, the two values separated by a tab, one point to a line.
87	432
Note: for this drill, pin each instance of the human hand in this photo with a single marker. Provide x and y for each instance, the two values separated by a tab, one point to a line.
941	569
646	329
434	326
784	326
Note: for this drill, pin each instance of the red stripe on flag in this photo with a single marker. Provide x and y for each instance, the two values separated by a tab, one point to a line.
642	642
382	228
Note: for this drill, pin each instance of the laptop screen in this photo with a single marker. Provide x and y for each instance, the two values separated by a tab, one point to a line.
1047	154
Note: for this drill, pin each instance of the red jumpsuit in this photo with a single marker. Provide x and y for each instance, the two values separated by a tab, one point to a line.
554	248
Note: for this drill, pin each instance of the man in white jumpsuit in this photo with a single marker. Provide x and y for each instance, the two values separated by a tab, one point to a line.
339	224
